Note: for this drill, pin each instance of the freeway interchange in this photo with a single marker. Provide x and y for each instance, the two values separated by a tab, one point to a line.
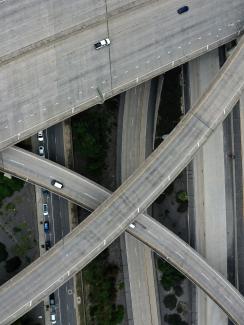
114	215
49	66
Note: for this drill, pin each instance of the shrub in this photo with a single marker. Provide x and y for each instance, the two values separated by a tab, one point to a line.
179	308
183	206
101	275
12	264
16	229
178	290
170	301
181	196
3	252
117	315
174	319
170	276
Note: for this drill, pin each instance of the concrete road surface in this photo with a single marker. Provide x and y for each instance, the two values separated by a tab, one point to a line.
210	195
60	73
113	216
138	107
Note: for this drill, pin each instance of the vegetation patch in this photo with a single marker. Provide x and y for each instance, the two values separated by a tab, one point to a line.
170	301
13	264
9	186
3	252
181	196
178	290
100	277
91	130
170	277
174	319
10	207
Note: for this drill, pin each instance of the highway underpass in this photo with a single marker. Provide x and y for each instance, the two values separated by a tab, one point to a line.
114	215
168	245
43	60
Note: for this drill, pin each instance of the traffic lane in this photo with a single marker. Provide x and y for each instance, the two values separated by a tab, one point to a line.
189	262
132	153
42	171
152	177
146	49
55	143
49	85
38	20
66	305
52	84
79	247
60	217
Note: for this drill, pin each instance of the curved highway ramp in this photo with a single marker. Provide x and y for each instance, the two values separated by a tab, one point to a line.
114	215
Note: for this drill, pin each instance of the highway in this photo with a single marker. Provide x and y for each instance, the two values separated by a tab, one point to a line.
59	215
210	194
43	82
176	251
114	215
137	111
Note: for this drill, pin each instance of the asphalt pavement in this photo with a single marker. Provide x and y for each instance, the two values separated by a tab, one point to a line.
59	218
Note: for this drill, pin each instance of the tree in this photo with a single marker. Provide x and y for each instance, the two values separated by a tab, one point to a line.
3	252
178	290
170	301
12	264
174	319
170	276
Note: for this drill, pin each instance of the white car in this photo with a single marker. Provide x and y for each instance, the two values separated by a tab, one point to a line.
57	184
41	151
132	225
45	209
40	136
102	43
53	319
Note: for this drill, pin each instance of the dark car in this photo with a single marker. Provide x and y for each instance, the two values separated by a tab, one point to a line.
45	192
47	245
46	226
183	9
52	299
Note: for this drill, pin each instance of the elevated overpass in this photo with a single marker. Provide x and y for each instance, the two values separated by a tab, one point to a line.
113	216
49	69
158	237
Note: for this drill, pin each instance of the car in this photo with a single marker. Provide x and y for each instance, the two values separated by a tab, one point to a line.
57	184
102	43
52	299
41	151
45	209
45	192
47	245
53	318
183	9
40	136
132	225
46	226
